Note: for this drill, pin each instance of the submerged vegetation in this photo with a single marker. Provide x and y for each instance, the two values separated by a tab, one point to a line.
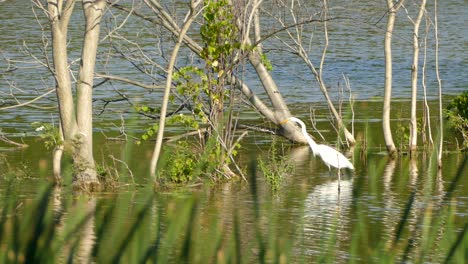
275	167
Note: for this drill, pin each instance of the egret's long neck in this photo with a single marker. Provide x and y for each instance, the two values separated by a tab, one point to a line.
311	142
309	139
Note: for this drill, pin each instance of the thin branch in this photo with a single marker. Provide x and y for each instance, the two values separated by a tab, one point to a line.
126	165
9	141
129	81
28	102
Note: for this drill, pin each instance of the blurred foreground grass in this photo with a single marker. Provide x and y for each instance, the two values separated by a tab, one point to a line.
86	229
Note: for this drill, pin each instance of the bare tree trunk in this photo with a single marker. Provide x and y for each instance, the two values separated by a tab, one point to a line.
170	69
303	54
349	137
392	9
439	81
59	18
427	115
413	139
281	110
76	128
85	171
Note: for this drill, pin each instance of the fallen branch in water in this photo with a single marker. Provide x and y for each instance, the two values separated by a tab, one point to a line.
11	142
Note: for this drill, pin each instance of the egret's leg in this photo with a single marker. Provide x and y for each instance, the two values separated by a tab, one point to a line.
339	180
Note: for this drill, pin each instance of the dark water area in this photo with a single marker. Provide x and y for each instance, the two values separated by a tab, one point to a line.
306	216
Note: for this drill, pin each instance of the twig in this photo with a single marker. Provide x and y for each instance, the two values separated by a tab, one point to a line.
126	165
28	102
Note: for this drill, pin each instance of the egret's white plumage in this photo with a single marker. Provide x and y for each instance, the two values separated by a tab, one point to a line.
329	155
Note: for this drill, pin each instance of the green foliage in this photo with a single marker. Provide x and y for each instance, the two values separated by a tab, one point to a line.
459	105
184	163
219	34
266	62
215	156
181	166
11	173
403	133
275	166
457	114
202	91
192	84
49	133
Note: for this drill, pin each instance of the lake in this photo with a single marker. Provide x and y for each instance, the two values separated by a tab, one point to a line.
386	210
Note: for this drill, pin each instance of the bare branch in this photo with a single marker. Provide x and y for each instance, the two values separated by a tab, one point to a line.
28	102
129	81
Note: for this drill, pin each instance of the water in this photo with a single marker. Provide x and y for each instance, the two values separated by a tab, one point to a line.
355	50
307	213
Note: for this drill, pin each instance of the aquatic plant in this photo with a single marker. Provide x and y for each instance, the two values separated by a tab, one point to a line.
49	133
457	114
275	166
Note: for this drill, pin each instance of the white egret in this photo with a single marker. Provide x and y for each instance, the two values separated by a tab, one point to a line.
330	156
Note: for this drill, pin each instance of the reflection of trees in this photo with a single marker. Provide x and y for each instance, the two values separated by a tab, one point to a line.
390	216
87	237
79	244
416	227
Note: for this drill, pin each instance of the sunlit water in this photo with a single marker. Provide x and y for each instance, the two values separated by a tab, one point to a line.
307	206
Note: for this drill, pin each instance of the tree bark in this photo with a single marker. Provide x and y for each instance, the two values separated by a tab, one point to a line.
439	82
59	20
392	9
280	109
413	139
85	172
76	127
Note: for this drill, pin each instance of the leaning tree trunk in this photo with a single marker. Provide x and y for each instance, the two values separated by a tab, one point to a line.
392	9
170	69
280	108
413	139
279	111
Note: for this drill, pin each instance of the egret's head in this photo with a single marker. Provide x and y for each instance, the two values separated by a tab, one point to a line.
284	121
292	119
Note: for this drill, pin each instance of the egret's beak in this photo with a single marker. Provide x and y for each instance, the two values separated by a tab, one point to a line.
284	122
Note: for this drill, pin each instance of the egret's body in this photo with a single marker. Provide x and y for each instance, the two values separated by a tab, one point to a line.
330	156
